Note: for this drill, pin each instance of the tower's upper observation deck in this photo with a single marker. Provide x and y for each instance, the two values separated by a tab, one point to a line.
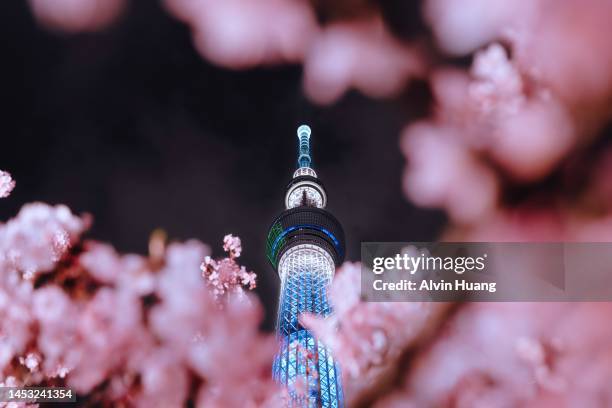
305	220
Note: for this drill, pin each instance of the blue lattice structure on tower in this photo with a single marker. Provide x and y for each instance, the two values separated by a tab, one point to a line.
305	244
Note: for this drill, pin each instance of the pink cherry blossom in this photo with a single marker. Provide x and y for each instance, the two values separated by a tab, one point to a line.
521	111
343	55
7	184
77	15
40	235
514	354
226	276
127	329
361	55
232	245
246	33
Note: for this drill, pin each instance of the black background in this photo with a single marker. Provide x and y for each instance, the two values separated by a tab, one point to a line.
132	126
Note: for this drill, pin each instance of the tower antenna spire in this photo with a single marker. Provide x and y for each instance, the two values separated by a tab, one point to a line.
304	159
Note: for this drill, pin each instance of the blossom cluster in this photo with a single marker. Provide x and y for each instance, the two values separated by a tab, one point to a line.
126	329
513	354
226	276
7	184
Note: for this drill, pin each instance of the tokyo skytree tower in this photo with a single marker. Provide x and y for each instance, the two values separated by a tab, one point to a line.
305	244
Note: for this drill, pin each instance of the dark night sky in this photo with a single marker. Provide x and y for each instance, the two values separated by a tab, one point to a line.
134	127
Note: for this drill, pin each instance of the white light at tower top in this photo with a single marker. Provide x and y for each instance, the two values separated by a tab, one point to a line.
304	131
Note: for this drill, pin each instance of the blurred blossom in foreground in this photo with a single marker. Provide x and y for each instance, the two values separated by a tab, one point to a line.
485	115
7	184
508	355
126	329
77	15
518	115
38	238
358	54
246	33
361	55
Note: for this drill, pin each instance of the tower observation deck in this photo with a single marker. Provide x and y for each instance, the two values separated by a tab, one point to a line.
305	245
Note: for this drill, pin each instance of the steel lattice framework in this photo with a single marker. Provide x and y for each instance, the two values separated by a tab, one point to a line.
305	244
304	365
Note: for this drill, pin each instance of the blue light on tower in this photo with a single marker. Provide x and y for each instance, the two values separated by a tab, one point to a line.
305	244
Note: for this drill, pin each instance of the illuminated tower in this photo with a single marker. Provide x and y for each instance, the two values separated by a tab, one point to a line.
305	244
